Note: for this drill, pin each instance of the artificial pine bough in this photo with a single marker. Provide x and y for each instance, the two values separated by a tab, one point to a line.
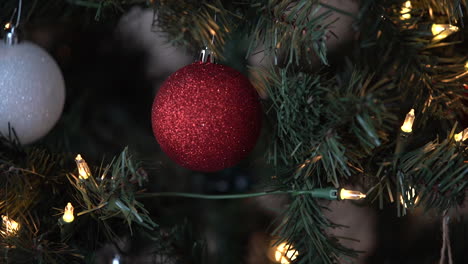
385	119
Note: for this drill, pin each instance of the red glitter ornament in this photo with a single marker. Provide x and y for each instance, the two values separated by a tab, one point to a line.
206	117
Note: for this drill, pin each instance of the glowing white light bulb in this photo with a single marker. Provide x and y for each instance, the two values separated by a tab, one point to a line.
116	260
462	136
411	197
83	169
441	31
407	126
285	253
405	10
68	216
11	226
351	195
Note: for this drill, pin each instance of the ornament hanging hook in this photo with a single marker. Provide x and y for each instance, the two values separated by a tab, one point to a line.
18	17
206	54
213	33
11	18
11	37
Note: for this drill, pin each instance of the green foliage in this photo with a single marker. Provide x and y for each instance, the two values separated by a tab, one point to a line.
332	126
99	10
303	226
279	28
342	121
326	125
433	176
438	172
286	26
35	187
195	24
113	194
29	176
423	69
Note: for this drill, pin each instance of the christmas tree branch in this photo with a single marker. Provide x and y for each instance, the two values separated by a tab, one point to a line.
316	119
408	52
39	178
207	24
333	126
276	29
438	173
303	225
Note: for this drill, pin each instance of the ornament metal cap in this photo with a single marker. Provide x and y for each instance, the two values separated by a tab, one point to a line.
207	55
11	37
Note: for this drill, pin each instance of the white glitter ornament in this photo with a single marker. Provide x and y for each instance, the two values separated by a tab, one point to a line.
32	90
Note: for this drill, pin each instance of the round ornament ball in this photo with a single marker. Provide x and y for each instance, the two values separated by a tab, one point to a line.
32	91
206	117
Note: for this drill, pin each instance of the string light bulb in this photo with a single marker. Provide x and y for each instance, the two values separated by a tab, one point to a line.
441	31
466	66
462	136
10	226
351	195
407	126
405	10
116	259
7	26
68	216
411	198
284	253
83	169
